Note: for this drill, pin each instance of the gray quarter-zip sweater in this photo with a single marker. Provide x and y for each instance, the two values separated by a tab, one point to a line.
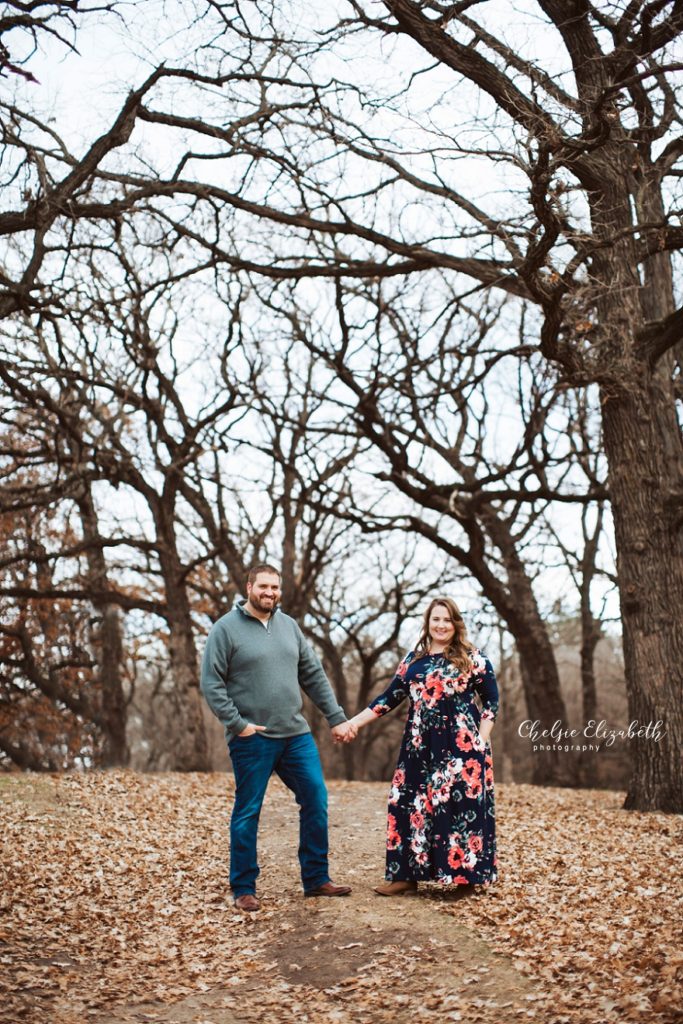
254	672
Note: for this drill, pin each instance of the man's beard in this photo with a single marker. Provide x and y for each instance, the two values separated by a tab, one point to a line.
268	606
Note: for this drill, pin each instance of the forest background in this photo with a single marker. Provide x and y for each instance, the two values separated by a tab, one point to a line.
386	293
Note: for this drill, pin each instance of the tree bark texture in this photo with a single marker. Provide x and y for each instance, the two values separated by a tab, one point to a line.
190	751
108	640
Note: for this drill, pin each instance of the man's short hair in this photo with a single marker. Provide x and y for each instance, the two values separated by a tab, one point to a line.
263	567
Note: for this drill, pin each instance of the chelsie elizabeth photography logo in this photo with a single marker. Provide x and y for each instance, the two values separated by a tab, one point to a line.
599	734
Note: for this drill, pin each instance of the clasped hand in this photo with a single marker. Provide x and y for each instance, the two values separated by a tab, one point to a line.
345	732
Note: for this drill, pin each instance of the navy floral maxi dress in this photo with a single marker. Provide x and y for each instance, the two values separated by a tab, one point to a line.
441	820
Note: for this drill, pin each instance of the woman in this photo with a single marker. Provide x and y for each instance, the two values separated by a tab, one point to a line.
441	821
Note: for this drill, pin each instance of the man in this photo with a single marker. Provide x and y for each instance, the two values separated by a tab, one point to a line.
255	664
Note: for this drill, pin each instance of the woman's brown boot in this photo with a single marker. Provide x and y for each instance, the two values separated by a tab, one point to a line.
396	889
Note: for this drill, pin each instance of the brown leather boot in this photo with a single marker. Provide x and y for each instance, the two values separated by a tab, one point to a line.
396	889
247	902
329	889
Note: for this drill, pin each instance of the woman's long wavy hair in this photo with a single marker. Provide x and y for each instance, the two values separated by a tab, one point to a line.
459	650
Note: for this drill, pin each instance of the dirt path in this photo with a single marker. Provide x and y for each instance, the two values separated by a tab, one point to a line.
361	958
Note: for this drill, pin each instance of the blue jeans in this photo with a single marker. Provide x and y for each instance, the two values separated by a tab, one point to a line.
296	761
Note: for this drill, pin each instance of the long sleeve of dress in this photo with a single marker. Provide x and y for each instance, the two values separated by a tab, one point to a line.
395	693
486	689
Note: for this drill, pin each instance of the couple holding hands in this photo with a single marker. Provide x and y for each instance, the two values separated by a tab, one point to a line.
441	818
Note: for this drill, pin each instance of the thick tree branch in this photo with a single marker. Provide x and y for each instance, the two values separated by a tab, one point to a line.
655	338
125	601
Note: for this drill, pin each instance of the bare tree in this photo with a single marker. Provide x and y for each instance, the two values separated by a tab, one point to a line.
302	181
52	713
102	391
430	407
608	137
593	157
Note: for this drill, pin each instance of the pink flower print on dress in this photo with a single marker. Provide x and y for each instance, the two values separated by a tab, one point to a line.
417	820
464	740
433	689
475	843
471	771
456	857
393	837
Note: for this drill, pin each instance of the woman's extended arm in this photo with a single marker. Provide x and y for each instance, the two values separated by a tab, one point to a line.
363	717
395	693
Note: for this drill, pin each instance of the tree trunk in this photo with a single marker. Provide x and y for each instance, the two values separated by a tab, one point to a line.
645	466
619	173
647	522
551	767
591	632
108	640
114	707
348	752
517	606
590	635
190	751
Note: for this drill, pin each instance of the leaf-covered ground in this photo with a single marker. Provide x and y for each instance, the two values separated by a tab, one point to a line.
115	908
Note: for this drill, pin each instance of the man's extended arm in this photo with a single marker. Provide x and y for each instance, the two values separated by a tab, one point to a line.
315	683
